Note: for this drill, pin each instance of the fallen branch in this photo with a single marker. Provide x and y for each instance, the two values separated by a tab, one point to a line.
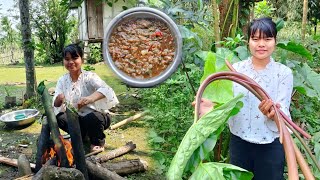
117	152
126	121
127	166
102	173
13	162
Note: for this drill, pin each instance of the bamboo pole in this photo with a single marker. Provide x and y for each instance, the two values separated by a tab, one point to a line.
76	141
55	133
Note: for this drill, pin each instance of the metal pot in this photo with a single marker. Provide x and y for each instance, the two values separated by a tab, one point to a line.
20	117
143	12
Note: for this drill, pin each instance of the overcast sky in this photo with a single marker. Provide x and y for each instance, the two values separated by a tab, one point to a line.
5	5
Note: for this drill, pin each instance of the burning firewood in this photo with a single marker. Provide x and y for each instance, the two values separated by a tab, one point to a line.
117	152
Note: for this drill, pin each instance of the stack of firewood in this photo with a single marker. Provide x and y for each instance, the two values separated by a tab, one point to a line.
98	166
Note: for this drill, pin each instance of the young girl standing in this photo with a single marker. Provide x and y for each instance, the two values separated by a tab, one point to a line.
254	143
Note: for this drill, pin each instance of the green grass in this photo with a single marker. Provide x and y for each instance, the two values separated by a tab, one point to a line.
13	77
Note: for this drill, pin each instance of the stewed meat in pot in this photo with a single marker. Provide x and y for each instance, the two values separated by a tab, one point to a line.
142	47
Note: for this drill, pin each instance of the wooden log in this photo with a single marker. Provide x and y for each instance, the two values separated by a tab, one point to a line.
23	166
58	173
26	177
42	144
94	153
101	173
127	166
76	141
125	121
13	162
52	121
117	152
39	174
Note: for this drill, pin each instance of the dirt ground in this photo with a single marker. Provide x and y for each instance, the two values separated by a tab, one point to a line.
136	131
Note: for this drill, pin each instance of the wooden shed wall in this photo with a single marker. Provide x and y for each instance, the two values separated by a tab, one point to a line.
94	18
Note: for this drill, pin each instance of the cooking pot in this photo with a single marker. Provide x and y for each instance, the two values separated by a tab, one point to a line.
143	12
20	117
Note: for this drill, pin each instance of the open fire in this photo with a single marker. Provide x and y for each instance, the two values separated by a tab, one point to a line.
53	152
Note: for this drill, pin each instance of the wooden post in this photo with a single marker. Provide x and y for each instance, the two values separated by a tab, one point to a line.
76	141
42	144
55	134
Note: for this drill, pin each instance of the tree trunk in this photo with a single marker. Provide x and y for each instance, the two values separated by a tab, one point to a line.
235	18
225	17
304	19
246	14
27	48
215	12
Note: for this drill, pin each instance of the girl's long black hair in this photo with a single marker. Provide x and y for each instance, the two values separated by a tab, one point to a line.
74	49
265	26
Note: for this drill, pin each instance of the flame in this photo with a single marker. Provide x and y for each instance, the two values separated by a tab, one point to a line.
52	152
68	148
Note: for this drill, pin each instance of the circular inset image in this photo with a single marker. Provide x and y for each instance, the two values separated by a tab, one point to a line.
142	46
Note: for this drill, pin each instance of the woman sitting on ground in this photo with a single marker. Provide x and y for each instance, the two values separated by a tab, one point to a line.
85	91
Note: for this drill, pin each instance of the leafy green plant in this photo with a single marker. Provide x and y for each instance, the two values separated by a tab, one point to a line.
89	68
211	124
52	24
95	53
233	43
7	91
263	9
220	171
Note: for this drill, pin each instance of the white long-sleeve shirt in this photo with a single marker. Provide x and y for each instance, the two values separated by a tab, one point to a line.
87	83
250	124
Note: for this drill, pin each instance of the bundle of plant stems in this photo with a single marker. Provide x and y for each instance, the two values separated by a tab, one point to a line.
293	154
